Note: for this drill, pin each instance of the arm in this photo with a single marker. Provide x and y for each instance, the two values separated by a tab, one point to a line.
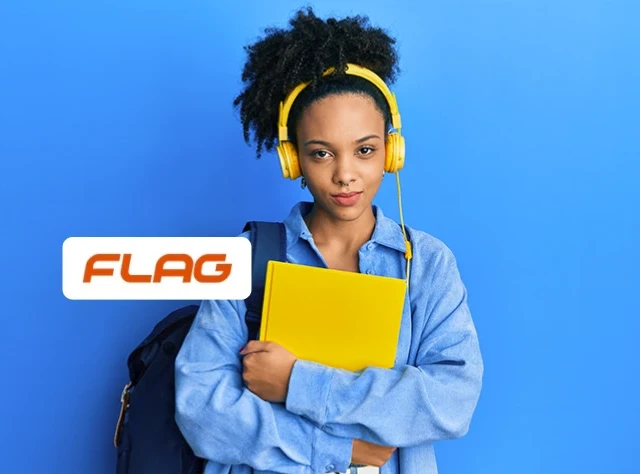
224	422
407	405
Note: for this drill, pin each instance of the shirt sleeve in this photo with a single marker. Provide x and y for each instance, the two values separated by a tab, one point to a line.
407	405
226	423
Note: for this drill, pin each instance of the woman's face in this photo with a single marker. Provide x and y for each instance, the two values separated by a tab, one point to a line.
341	140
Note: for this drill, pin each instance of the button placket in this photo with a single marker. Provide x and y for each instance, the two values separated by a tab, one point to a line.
366	259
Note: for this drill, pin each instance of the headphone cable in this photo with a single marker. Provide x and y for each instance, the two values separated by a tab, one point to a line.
408	255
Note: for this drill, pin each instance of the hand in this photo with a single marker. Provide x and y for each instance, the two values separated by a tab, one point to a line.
267	369
370	454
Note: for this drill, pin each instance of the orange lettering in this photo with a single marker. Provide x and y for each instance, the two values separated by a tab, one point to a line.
126	274
224	268
189	270
91	271
185	272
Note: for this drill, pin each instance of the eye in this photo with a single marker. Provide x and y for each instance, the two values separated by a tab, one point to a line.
321	154
366	150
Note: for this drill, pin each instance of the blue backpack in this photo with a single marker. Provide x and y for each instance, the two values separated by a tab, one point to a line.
147	439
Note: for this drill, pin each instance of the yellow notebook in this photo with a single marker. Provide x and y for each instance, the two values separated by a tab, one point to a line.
337	318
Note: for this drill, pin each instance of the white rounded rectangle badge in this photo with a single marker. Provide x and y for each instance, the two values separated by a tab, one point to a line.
156	268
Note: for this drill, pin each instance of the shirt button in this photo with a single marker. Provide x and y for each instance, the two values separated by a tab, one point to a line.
370	246
369	272
330	467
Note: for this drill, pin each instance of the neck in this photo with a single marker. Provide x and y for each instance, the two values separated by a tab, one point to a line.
327	230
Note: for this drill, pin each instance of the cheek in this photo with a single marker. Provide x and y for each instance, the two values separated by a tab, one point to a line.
373	171
375	178
317	176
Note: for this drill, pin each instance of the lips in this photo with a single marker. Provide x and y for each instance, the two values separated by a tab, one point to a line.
347	199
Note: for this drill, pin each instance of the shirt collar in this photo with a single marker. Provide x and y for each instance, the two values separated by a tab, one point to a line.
386	231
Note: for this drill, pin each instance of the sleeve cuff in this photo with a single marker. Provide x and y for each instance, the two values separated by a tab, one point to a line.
331	453
309	386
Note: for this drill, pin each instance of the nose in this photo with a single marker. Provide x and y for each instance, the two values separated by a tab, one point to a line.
344	172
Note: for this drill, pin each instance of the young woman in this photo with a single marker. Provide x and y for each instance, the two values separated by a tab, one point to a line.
249	406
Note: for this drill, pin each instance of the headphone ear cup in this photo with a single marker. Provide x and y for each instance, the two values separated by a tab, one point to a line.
289	160
394	160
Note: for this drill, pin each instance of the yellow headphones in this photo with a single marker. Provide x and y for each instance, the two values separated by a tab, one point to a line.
287	152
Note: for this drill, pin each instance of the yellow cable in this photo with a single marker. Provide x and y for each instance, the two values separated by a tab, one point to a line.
408	254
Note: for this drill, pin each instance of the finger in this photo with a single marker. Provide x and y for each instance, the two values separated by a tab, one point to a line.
254	346
248	360
251	358
252	352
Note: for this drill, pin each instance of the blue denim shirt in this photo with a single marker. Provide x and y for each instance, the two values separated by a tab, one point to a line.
429	395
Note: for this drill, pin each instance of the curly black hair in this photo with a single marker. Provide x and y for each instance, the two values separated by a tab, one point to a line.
285	58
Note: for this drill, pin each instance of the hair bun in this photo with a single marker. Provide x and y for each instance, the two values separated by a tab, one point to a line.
284	58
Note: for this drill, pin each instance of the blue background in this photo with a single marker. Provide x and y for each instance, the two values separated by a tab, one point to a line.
522	129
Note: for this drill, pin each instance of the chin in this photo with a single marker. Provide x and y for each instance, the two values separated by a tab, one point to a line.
350	213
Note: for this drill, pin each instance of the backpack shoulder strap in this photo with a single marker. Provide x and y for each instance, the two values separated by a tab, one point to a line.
140	357
268	242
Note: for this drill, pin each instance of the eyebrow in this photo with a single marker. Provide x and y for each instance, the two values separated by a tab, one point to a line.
321	142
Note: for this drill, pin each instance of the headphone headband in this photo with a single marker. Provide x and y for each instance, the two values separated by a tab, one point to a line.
285	107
